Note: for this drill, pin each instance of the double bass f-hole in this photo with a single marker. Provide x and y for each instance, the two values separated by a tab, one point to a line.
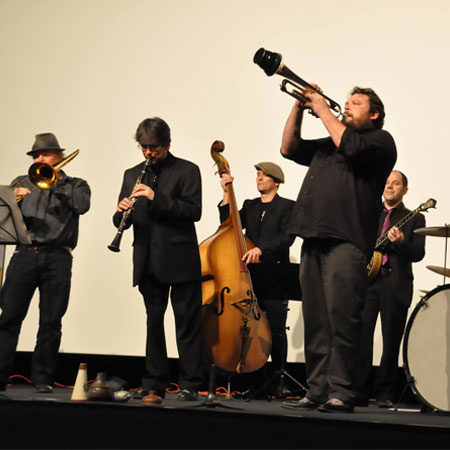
217	312
250	301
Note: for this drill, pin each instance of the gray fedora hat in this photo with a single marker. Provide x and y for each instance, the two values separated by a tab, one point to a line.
45	141
271	169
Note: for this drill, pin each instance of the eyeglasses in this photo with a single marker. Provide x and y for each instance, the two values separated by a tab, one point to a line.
148	147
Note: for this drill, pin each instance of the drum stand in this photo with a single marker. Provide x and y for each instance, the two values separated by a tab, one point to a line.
410	383
440	232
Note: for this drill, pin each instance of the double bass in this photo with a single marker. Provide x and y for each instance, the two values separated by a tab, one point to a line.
236	331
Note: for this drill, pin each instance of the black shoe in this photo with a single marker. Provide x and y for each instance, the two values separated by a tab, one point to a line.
244	395
361	402
334	405
282	392
140	393
187	395
384	403
43	388
305	404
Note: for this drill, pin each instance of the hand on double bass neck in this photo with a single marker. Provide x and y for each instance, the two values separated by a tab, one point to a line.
251	256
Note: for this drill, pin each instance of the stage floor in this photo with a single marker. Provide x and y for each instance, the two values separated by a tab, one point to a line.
33	420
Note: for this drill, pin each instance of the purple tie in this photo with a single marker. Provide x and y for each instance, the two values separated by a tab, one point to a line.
387	219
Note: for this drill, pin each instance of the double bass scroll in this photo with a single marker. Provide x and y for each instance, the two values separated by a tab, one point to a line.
236	331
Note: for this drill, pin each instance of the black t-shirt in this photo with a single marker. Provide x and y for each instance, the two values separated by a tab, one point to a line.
340	197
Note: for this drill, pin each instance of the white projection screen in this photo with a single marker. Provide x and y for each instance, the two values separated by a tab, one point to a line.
91	70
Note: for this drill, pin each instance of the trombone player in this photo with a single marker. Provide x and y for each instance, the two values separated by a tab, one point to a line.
51	215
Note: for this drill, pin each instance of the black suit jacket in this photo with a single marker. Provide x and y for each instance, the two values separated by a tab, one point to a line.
402	255
270	236
165	241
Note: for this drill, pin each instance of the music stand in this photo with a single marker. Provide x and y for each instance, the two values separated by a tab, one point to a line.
289	274
12	227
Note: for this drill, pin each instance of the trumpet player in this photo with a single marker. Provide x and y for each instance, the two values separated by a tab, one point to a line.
336	215
165	256
51	217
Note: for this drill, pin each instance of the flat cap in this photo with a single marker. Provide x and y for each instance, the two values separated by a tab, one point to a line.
271	169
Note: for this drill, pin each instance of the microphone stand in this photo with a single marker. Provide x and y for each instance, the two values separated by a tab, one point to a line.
211	401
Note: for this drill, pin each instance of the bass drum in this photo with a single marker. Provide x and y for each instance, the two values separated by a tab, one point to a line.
426	349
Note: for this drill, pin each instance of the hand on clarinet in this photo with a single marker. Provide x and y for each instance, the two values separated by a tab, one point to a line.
142	190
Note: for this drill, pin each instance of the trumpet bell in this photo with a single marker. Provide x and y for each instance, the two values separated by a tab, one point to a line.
268	61
271	63
42	175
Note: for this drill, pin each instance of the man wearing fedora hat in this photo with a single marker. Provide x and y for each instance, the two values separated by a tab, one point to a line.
265	220
51	217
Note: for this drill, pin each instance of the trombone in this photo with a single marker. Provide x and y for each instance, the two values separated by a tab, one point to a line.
45	176
293	85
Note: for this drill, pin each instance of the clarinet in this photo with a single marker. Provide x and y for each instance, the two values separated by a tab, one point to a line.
115	244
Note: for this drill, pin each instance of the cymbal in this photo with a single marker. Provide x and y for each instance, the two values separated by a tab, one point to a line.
440	270
434	231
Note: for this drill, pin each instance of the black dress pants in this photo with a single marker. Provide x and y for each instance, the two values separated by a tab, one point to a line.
50	271
186	304
333	278
276	315
393	315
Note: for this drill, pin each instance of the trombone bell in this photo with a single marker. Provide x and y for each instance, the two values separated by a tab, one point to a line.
42	175
45	176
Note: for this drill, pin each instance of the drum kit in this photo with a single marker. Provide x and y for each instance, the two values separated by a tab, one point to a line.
426	345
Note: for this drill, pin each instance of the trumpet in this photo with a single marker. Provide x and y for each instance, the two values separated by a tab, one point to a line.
45	176
292	85
115	244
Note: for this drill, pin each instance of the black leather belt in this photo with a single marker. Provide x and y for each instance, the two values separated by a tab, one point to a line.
385	271
38	248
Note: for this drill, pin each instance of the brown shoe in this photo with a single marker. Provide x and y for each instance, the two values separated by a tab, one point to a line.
152	398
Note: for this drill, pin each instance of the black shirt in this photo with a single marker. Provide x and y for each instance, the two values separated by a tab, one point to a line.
340	197
412	248
52	215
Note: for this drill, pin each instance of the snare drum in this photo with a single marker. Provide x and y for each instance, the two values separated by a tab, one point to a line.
426	349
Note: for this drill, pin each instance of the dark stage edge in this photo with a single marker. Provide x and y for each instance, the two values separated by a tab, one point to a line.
32	420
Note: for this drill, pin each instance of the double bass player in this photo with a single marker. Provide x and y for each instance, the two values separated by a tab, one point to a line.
265	220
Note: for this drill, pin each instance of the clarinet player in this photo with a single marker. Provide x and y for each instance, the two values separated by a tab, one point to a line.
165	256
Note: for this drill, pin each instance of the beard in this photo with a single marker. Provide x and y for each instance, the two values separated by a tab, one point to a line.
349	120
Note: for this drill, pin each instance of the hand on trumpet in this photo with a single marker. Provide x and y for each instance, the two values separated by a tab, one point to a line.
20	193
315	102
